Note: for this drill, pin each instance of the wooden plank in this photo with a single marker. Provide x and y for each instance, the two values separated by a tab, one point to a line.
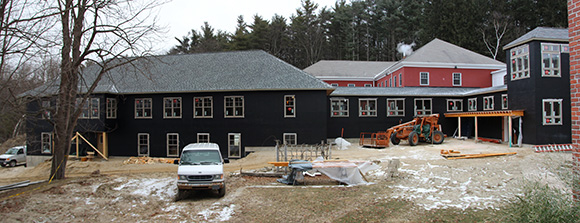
470	156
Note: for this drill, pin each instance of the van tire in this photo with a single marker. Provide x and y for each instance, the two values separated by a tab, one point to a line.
181	194
222	191
12	163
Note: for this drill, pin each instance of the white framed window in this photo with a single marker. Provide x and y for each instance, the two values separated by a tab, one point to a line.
367	107
395	81
423	106
46	109
338	107
550	60
172	144
472	104
454	105
172	107
46	142
368	85
289	106
488	103
424	78
395	107
400	79
334	84
143	144
386	83
203	107
456	79
111	108
552	111
143	108
203	137
234	106
504	101
235	145
290	138
351	85
564	48
391	81
520	62
90	109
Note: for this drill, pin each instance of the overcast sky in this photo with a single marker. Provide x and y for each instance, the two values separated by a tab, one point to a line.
181	16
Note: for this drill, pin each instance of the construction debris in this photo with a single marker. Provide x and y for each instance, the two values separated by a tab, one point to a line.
453	154
344	171
554	148
148	160
20	184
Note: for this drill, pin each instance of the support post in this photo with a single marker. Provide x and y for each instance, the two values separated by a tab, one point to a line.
510	137
476	135
459	127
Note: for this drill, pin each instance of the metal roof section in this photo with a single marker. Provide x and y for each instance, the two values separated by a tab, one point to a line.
441	54
414	91
340	69
204	72
541	34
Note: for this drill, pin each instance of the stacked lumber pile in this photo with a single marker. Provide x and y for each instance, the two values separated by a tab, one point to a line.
453	154
148	160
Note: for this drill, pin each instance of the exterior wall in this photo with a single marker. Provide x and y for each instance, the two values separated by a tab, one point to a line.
574	35
527	94
342	83
263	122
443	77
497	78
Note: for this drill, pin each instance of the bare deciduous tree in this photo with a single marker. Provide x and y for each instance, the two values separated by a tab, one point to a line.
498	24
102	32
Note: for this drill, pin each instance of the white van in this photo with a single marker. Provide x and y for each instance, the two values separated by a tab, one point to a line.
14	156
201	168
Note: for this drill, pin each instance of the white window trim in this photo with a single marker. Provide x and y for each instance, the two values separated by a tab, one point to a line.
460	101
368	85
506	105
167	144
334	85
400	79
474	101
143	101
423	110
551	52
42	137
286	106
351	85
89	106
111	108
453	79
420	78
203	107
370	113
290	134
234	107
139	144
203	134
400	109
172	108
488	106
346	101
229	145
46	106
553	117
514	56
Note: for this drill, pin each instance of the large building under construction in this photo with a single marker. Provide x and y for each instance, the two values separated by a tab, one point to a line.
251	98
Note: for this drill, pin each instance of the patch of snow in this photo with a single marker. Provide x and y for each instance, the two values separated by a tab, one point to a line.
223	214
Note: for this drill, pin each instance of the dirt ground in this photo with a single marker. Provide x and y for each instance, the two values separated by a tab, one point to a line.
146	192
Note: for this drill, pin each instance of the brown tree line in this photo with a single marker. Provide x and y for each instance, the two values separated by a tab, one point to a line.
370	30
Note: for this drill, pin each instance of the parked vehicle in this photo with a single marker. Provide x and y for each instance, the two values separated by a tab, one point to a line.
201	168
14	156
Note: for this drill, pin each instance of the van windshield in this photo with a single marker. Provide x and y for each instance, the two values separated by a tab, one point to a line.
200	157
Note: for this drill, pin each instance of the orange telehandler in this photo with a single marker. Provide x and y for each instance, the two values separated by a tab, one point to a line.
422	128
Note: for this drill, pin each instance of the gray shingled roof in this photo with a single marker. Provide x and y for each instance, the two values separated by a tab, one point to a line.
226	71
439	51
414	91
344	68
542	34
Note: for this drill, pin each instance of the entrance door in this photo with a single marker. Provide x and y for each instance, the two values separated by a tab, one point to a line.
234	145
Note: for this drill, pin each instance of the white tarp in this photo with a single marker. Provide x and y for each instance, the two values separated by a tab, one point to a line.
348	172
342	143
